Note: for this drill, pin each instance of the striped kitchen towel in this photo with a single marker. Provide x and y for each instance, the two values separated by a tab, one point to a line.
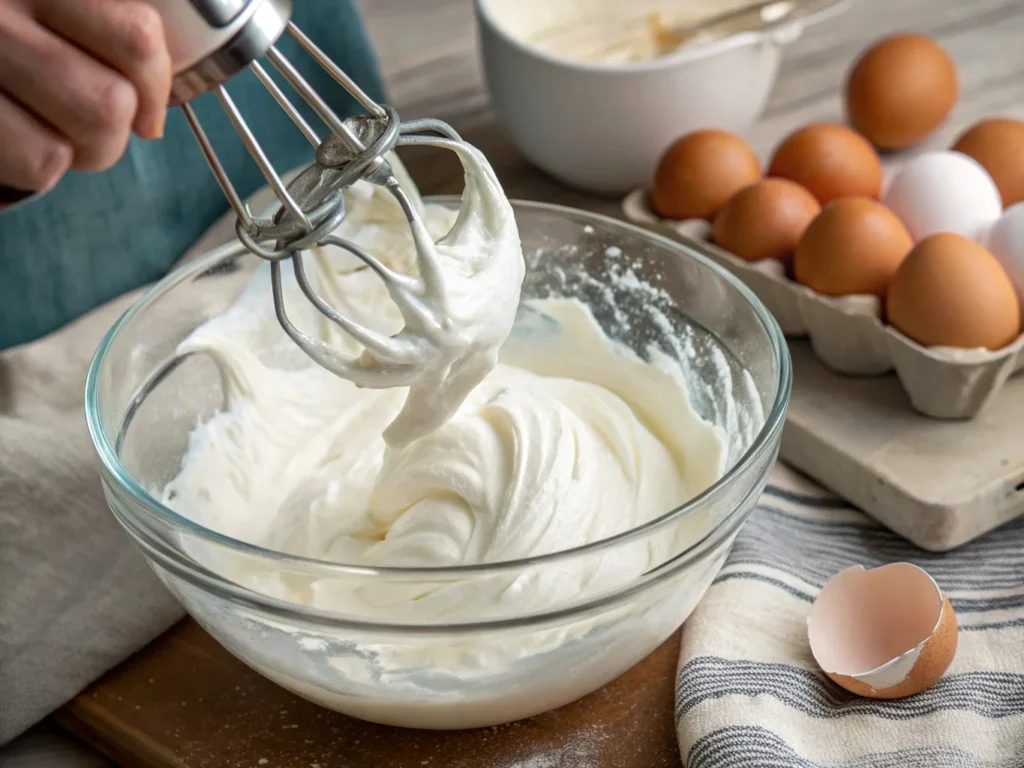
749	694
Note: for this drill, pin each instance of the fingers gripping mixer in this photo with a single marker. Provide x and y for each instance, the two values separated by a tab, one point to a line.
211	41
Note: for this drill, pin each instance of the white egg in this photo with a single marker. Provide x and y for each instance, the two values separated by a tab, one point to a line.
944	192
1005	241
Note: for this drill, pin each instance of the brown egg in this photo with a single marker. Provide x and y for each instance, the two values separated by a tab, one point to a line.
829	161
900	90
765	220
853	246
700	172
886	633
951	292
998	144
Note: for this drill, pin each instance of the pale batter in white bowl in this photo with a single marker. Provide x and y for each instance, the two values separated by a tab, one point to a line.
578	87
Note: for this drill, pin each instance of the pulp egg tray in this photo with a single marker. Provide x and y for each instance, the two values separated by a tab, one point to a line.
848	335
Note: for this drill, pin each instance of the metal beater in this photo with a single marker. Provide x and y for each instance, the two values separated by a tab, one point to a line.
210	42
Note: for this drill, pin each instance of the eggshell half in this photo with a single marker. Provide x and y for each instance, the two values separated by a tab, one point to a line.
884	633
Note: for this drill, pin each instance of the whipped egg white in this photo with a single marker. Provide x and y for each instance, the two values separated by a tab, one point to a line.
562	439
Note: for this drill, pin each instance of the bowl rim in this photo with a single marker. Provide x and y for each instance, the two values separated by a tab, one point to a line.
761	443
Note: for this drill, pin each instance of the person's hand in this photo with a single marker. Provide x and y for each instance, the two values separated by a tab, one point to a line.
77	77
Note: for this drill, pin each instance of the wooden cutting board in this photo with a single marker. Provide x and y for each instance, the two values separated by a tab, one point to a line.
185	702
937	483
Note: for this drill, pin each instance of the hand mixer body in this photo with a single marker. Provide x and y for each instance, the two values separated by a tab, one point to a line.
210	41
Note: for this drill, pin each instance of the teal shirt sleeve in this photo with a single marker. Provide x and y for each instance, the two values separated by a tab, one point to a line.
96	236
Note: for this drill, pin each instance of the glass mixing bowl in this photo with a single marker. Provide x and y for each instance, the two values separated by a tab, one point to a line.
143	400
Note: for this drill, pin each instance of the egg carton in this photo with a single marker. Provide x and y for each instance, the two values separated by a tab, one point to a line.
847	333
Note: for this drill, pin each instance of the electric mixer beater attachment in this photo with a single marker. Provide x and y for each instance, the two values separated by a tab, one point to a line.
213	40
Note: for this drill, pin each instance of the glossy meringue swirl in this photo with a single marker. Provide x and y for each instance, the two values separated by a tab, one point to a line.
568	440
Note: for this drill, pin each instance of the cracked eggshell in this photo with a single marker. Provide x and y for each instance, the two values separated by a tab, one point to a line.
883	633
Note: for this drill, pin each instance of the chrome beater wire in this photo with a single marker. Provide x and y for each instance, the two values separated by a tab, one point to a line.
313	203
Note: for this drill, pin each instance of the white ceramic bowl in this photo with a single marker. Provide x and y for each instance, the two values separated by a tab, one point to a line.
602	127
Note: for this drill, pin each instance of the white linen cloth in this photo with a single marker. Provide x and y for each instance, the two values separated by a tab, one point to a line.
749	695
